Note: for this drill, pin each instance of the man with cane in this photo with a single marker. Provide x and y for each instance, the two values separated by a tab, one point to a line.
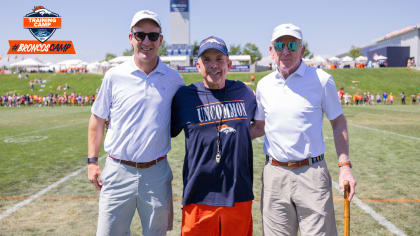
291	102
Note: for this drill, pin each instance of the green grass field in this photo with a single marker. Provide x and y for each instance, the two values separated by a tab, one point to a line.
41	145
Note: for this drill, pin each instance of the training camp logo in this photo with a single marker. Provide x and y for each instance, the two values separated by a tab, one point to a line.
42	24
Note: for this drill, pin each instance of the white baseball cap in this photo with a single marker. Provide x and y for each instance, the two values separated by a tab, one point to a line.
145	14
286	29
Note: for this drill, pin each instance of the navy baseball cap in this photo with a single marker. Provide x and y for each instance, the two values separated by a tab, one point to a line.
213	42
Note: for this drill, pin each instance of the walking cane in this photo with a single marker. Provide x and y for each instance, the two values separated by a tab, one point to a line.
346	209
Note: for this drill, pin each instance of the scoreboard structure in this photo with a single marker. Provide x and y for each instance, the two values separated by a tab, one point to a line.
179	29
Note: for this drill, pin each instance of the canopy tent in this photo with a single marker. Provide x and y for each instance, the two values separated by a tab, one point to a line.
379	58
347	59
318	60
70	63
237	59
334	59
94	67
28	63
361	59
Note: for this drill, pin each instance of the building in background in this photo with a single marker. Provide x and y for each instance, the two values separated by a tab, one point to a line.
397	46
179	49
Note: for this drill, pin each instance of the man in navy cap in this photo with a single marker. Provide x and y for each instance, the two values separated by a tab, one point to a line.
215	115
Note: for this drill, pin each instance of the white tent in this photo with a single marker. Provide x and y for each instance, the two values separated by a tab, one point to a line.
361	59
379	58
318	60
70	63
28	63
347	59
94	67
333	59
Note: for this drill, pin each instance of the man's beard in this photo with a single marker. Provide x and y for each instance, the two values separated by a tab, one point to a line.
287	71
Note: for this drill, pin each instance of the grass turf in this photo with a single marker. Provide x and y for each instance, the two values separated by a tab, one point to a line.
39	145
385	166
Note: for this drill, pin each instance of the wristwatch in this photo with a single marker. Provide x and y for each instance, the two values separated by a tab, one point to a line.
91	160
344	163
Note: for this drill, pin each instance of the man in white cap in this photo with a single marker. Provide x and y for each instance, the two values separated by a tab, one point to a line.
136	97
291	102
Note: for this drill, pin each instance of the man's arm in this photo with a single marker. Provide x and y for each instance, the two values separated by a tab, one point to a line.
257	129
95	136
341	140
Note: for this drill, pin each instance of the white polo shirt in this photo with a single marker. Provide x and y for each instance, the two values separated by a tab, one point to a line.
139	109
293	112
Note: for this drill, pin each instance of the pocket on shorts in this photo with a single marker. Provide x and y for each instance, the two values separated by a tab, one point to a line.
324	177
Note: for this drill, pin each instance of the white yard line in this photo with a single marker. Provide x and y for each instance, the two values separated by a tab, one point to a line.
380	219
21	204
384	131
41	130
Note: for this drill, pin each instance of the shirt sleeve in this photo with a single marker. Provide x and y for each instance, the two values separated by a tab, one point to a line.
259	112
175	119
330	102
103	102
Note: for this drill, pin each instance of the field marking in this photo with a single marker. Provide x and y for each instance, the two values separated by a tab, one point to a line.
380	219
40	130
52	198
384	131
19	205
27	139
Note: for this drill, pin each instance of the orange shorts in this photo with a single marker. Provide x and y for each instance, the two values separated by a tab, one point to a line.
200	220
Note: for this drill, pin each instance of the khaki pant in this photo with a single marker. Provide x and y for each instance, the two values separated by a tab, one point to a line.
126	189
297	197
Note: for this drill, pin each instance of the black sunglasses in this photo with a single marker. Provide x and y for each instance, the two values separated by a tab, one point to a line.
140	36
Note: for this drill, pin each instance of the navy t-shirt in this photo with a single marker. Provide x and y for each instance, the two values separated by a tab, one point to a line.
202	113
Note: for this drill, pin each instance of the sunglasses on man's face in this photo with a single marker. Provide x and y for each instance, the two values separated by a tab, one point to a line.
292	46
140	36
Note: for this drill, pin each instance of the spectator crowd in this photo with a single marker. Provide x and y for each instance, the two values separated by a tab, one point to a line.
16	100
368	98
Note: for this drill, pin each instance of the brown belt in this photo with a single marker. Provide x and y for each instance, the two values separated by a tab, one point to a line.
140	165
297	164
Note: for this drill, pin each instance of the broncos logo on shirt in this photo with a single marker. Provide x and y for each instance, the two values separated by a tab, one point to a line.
226	129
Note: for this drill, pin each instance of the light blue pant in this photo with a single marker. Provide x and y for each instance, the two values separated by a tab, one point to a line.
126	188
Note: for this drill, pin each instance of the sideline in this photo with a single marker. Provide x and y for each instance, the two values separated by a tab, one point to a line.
384	131
380	219
19	205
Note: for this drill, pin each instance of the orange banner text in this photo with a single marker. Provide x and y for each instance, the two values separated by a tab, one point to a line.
36	47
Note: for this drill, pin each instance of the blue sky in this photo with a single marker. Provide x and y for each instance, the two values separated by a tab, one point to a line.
330	27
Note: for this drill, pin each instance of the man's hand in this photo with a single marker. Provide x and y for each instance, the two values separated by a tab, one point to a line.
94	175
346	174
257	128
